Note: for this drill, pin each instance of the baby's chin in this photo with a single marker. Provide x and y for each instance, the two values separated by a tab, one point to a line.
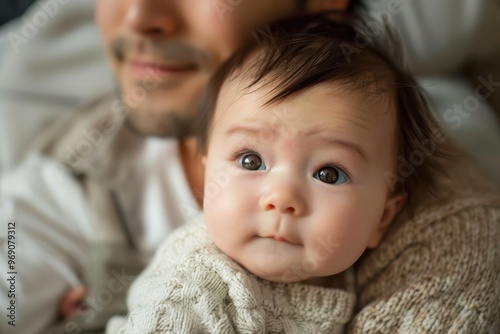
273	274
292	278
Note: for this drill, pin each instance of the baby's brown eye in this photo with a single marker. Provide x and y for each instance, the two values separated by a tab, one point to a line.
331	175
252	161
328	175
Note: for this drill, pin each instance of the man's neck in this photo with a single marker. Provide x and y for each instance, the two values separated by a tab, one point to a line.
193	168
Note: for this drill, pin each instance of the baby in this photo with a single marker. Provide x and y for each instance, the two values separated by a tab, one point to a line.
308	129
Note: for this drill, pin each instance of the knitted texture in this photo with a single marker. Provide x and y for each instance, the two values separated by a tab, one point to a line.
192	287
438	272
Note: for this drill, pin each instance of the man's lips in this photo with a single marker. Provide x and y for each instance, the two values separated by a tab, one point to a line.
151	68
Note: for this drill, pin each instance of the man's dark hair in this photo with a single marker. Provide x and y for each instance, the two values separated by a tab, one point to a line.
295	55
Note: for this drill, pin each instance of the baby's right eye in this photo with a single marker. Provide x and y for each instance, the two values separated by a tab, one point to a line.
251	161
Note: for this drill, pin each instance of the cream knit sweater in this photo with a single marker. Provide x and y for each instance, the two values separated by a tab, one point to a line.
192	287
438	272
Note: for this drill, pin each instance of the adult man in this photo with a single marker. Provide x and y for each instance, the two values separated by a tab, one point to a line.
114	194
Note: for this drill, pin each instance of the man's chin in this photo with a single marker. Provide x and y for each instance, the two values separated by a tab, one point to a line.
167	125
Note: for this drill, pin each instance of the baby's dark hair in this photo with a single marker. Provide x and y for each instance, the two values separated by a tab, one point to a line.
295	55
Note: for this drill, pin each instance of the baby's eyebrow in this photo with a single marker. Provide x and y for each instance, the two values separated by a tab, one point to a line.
246	130
348	145
322	135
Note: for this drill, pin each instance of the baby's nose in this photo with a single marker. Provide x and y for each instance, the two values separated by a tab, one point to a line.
285	198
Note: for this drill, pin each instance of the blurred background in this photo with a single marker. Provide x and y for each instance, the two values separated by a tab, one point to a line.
51	61
10	9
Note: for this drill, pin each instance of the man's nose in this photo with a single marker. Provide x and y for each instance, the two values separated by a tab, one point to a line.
156	18
285	197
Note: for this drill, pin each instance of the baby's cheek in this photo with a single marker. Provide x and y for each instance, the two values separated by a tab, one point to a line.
345	239
227	215
218	207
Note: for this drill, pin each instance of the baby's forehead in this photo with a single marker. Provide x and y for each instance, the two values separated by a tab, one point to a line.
330	106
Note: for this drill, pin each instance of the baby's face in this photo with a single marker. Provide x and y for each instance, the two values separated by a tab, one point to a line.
297	190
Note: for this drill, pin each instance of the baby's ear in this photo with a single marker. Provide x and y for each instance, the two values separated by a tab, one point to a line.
393	205
315	6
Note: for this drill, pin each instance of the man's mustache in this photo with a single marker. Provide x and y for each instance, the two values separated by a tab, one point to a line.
168	51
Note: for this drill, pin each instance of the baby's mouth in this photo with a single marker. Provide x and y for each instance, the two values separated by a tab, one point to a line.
281	239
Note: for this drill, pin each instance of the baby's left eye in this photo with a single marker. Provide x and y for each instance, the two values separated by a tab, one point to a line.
251	161
331	175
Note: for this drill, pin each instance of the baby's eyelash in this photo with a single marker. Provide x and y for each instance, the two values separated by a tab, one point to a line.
239	153
341	167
